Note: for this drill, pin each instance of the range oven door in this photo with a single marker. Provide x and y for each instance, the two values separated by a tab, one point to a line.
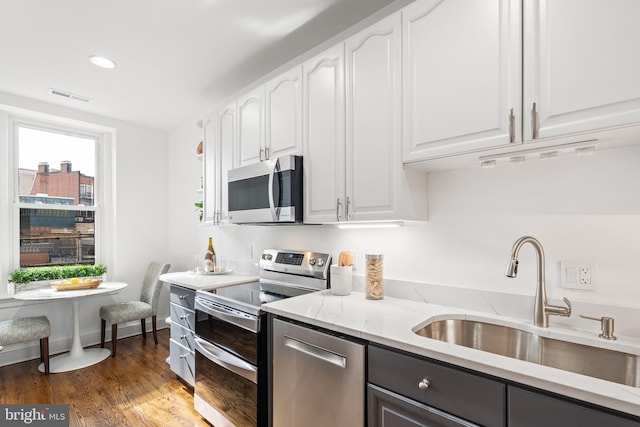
266	192
230	368
226	390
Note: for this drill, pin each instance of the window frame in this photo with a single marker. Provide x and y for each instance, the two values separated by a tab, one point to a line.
103	188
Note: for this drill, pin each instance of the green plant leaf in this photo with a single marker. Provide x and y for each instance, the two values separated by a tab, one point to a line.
33	274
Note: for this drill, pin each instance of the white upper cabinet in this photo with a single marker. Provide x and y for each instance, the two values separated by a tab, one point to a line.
582	66
353	157
227	131
250	138
462	76
284	114
373	122
211	196
323	136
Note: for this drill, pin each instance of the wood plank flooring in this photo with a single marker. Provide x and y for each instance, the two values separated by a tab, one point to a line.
136	388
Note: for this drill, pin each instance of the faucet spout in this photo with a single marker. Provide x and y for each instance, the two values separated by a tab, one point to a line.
541	310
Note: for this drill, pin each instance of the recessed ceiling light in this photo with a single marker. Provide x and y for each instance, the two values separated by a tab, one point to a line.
101	61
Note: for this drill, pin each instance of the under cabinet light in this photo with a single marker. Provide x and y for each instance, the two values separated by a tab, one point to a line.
582	148
368	225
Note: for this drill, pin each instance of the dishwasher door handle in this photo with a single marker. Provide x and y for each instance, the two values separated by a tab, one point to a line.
315	351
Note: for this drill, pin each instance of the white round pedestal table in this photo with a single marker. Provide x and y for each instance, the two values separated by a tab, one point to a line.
77	357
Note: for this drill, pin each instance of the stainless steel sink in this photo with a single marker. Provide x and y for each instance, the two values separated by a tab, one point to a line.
610	365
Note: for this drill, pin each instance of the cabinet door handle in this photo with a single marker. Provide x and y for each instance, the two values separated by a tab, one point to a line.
534	121
261	152
512	127
424	384
348	214
267	153
338	204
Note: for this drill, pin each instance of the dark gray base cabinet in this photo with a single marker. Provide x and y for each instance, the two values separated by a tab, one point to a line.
531	409
182	346
388	409
406	390
453	397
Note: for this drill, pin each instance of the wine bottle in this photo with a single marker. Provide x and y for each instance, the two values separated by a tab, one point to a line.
210	257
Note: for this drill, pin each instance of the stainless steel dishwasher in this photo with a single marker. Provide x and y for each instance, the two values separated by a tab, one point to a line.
318	379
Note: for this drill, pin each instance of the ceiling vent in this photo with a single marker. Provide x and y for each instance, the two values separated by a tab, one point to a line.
69	95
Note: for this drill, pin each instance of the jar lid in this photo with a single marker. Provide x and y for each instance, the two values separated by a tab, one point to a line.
374	256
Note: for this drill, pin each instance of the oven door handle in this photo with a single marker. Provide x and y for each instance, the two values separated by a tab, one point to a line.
226	360
275	211
227	315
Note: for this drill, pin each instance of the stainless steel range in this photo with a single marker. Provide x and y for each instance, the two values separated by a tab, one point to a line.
231	386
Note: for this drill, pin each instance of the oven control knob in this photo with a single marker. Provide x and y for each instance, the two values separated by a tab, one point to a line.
320	262
312	261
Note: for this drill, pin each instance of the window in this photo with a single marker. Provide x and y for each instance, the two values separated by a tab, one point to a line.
55	181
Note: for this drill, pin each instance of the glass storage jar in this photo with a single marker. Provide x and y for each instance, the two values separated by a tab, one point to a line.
374	287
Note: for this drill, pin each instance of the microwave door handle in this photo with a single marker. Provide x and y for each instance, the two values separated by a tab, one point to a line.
275	211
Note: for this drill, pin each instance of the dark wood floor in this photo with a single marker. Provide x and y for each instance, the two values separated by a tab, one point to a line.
136	388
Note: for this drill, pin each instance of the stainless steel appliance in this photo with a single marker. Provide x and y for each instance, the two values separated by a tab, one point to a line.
231	379
317	378
267	192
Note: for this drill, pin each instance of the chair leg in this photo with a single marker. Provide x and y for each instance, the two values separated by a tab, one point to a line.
103	327
143	325
114	339
155	330
44	353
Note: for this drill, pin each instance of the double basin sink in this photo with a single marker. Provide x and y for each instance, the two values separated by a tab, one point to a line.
606	364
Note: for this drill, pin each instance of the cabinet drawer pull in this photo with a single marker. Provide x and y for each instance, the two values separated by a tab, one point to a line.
534	121
183	356
183	337
512	127
183	317
424	384
183	297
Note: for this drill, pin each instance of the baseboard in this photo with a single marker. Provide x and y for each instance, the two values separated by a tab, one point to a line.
30	350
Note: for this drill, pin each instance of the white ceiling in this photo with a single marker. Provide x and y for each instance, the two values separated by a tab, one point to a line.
176	58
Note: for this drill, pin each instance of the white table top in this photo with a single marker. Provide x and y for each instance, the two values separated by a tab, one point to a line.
49	293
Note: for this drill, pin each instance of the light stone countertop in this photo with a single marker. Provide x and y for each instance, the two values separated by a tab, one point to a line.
391	322
205	282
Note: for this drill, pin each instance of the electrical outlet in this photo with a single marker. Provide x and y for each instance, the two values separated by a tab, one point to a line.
577	275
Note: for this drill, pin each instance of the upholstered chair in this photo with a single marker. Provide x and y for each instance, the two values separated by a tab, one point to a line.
25	329
134	310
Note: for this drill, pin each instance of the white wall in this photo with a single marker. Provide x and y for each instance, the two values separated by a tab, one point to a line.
141	181
580	208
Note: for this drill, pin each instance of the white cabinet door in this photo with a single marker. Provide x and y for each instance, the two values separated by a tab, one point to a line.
227	131
461	76
211	200
250	141
374	132
582	65
323	136
284	114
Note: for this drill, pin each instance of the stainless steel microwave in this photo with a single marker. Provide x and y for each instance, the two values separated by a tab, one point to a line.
266	192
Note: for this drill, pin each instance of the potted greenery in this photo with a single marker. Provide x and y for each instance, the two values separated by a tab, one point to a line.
23	276
200	209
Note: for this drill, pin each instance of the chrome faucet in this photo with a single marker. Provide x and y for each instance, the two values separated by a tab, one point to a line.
541	310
